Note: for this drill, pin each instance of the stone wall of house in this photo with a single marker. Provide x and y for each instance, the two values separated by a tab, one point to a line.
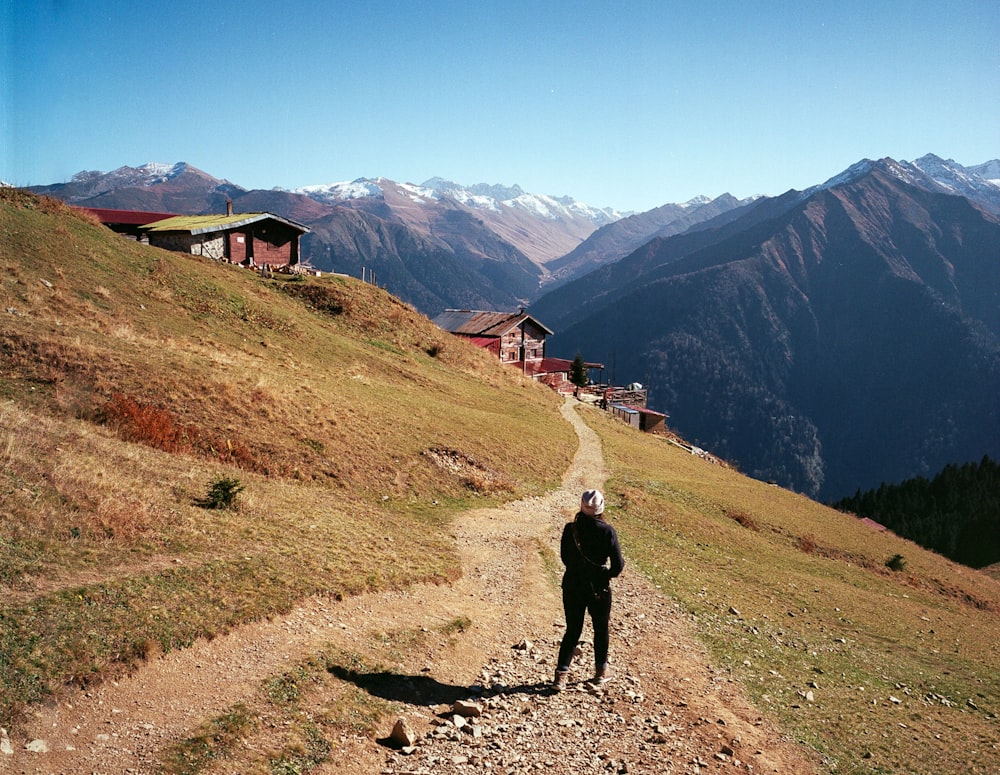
197	244
214	247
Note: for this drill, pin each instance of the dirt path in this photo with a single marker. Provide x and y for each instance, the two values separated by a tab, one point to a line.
666	711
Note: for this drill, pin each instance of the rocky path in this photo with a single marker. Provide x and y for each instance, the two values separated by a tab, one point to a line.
666	711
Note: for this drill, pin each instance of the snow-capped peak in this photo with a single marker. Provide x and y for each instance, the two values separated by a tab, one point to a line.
147	175
161	170
481	196
419	194
494	197
989	171
852	173
932	173
953	178
697	201
360	188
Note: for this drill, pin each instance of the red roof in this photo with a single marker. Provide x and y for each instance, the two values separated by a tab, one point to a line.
544	366
486	342
130	217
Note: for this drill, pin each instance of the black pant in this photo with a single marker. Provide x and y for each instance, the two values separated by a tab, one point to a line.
578	599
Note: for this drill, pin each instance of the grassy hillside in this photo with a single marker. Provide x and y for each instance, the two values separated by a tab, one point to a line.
880	670
132	379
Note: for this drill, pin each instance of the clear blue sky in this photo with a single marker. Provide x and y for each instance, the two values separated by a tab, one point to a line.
625	104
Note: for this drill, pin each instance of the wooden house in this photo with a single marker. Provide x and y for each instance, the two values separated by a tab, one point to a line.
514	337
517	339
251	239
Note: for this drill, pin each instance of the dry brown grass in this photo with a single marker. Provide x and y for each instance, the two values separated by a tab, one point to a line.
131	378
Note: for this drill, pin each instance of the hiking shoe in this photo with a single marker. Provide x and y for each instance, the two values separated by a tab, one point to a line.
601	676
562	678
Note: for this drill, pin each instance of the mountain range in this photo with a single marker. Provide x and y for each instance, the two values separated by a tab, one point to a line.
829	339
826	339
437	245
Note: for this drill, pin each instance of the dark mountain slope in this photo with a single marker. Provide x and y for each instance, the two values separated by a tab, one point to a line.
956	513
616	240
852	339
284	203
608	284
424	272
446	258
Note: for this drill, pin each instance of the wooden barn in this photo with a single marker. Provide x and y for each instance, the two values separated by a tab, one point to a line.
251	239
639	417
514	337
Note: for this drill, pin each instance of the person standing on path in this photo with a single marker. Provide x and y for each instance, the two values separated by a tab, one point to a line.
590	551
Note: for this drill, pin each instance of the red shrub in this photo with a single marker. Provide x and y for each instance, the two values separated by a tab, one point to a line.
144	424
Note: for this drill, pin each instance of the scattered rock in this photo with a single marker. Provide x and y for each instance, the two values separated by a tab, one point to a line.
467	708
402	735
37	746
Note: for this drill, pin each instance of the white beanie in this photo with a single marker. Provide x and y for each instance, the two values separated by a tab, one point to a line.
592	503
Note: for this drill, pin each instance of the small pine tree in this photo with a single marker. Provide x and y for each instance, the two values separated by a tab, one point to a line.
221	493
578	371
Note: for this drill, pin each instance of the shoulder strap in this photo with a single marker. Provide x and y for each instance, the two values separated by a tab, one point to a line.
576	538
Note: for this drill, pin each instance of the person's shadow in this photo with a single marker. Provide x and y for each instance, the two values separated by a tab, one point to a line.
426	691
411	689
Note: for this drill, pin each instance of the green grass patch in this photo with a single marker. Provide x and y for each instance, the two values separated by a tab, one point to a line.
214	740
456	626
312	750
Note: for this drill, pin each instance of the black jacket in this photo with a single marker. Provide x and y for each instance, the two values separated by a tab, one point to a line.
599	543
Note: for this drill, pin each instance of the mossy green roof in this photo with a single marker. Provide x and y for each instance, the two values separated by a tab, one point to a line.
202	224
